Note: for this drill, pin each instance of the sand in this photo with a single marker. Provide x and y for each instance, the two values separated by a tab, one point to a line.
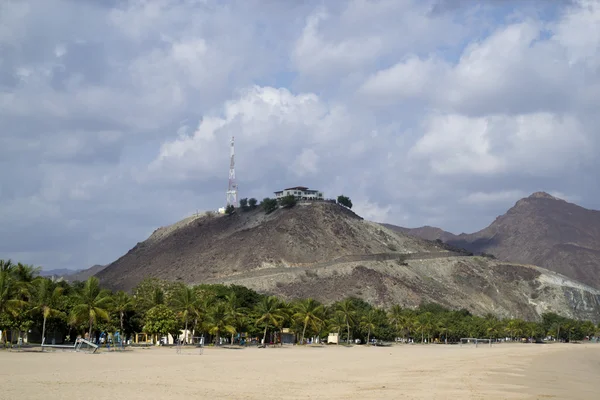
507	371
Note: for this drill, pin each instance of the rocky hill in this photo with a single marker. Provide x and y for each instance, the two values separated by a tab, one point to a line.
211	246
327	252
541	230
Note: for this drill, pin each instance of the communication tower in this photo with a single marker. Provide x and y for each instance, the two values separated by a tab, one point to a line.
232	189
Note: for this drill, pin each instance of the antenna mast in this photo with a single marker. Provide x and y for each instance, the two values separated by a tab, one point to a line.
232	190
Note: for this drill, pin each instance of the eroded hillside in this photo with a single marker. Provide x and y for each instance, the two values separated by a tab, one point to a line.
327	252
205	247
540	229
477	284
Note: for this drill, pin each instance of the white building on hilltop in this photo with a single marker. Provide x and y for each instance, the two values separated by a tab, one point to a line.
300	192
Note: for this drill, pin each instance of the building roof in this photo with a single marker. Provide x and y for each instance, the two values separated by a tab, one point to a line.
297	188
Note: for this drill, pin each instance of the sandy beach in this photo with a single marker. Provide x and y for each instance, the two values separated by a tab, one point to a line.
507	371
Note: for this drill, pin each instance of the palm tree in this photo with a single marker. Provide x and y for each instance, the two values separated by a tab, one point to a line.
271	312
513	328
16	287
201	311
494	327
395	317
121	303
218	321
347	309
443	325
337	323
369	321
425	323
8	303
7	300
235	313
25	273
533	331
310	313
186	304
91	303
46	294
407	323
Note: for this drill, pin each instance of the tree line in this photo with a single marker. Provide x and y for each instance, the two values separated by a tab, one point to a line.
155	307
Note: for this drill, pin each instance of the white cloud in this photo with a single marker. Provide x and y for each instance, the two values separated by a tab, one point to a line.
272	127
371	210
456	144
343	43
119	121
410	79
315	55
487	198
60	50
306	163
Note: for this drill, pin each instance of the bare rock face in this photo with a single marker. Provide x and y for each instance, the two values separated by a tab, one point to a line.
542	230
327	252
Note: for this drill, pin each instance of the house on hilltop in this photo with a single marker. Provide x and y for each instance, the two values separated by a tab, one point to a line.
300	192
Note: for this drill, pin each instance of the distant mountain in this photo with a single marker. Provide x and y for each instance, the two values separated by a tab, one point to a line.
424	232
327	252
84	274
540	229
58	272
71	275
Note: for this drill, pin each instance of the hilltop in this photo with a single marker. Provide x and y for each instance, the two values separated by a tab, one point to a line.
327	252
540	229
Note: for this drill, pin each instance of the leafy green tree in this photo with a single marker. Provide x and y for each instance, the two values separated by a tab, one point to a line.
309	313
588	328
160	320
147	294
288	201
252	203
46	296
271	312
269	205
345	201
92	303
244	204
230	209
246	298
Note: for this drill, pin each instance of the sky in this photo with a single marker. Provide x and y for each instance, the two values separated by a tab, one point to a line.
116	116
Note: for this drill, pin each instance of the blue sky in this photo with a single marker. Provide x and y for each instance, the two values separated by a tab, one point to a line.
115	117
